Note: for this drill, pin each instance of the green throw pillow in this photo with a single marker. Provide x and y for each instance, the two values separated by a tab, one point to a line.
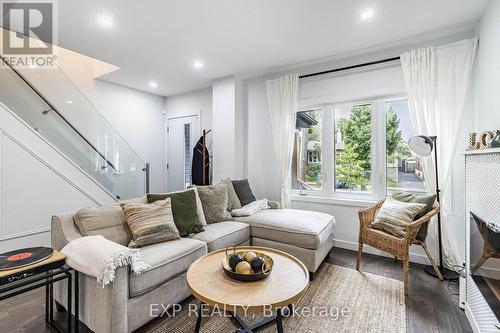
184	210
427	199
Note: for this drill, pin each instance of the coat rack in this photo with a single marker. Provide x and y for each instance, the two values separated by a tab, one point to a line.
205	132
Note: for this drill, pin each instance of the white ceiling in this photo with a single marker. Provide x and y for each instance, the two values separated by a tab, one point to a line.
158	40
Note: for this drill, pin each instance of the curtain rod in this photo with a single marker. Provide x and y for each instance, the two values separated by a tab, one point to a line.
350	67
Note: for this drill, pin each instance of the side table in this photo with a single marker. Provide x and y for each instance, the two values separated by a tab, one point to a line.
47	279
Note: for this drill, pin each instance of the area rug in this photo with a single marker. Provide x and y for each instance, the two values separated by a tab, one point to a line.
343	300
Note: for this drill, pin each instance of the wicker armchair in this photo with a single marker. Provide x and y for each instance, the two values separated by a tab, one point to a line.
398	247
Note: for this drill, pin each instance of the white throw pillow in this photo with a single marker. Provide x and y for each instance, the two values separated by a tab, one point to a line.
251	208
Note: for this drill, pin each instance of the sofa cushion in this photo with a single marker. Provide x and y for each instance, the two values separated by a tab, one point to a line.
223	234
108	221
167	261
302	228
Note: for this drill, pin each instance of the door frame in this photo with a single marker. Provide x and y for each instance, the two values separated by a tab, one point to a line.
165	139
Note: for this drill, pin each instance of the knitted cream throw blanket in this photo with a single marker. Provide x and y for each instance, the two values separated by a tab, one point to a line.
98	257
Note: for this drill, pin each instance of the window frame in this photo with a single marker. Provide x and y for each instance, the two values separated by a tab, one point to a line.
378	150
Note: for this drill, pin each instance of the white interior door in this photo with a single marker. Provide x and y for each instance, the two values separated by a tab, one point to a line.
182	135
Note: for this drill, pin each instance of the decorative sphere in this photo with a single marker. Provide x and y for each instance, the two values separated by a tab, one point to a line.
249	256
234	260
243	268
257	264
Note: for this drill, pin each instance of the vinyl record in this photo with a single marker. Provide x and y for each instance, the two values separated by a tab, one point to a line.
24	257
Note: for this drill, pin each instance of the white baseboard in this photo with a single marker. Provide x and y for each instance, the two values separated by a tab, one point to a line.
416	258
471	319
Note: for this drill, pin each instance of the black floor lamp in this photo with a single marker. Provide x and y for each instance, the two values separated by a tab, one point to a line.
423	146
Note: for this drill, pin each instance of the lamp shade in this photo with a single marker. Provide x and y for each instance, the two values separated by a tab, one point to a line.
421	145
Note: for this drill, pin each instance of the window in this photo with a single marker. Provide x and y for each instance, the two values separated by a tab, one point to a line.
355	149
187	154
313	156
404	170
306	165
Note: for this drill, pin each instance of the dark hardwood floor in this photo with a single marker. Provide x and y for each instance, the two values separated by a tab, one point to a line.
431	306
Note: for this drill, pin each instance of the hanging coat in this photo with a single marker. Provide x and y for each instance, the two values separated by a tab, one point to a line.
198	164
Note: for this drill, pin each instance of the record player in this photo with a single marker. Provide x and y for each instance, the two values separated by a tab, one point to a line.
19	264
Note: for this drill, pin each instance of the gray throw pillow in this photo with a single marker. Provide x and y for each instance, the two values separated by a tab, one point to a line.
107	221
243	191
232	199
214	201
394	216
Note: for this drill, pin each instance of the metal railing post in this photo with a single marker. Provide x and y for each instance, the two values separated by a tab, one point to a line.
146	169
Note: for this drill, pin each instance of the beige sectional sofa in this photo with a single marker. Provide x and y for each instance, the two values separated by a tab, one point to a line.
126	304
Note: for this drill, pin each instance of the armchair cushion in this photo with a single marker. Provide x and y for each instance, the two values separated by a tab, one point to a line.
394	216
426	199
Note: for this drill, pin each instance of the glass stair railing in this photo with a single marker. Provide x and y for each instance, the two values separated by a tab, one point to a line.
50	103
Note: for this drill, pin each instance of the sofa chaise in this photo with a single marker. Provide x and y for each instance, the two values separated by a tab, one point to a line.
133	300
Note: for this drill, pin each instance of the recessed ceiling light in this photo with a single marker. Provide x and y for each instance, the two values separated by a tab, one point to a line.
153	84
197	64
105	20
69	102
367	14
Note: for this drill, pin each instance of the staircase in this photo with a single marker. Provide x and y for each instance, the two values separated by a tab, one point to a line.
57	154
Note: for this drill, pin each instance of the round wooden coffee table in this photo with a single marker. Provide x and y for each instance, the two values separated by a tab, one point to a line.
282	288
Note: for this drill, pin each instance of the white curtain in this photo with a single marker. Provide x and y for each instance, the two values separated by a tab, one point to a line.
282	98
438	82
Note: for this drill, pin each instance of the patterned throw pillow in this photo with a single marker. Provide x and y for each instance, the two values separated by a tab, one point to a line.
150	223
214	201
394	216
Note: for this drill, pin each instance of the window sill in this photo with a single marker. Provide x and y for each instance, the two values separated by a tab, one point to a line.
334	201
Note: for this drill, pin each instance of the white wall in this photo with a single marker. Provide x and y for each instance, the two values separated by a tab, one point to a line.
228	121
262	169
488	70
197	102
